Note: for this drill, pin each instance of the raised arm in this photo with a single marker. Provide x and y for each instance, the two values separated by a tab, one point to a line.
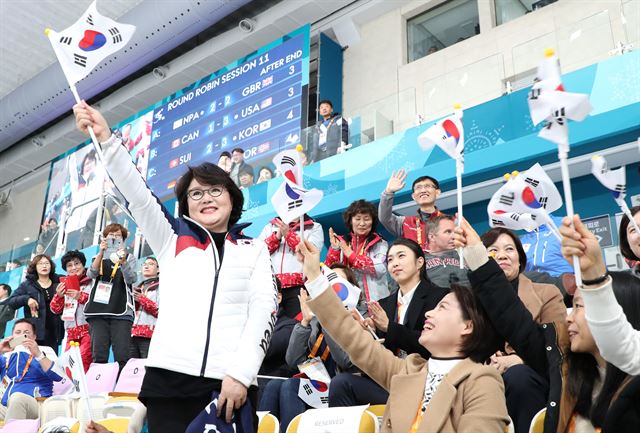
157	224
508	314
618	342
390	221
370	356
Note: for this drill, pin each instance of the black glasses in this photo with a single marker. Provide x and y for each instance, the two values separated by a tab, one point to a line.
197	194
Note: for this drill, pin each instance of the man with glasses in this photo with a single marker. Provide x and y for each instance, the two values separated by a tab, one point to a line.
26	373
425	192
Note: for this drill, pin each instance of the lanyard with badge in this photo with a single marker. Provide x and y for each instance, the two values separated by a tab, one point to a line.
314	366
104	288
6	382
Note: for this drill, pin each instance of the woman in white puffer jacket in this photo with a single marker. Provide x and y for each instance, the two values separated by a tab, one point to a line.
219	297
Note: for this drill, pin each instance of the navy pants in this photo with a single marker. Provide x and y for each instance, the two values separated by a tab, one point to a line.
280	397
349	390
526	392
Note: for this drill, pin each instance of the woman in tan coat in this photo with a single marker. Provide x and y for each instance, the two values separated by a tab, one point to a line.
526	390
452	392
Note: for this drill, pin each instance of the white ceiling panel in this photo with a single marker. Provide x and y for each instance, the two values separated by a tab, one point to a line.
24	48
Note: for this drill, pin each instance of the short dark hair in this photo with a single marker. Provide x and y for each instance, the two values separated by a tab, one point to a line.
113	227
490	237
209	174
422	179
483	341
417	252
150	258
52	219
326	101
30	322
246	169
7	288
224	153
351	277
238	150
32	271
73	255
360	206
432	224
625	248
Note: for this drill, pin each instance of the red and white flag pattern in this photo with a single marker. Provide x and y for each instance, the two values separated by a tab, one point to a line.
82	46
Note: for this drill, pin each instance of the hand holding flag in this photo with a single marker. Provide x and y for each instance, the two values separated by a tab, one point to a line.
549	101
525	201
614	181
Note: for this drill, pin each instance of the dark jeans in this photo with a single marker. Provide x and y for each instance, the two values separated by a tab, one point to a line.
280	397
526	392
350	390
139	347
173	415
106	333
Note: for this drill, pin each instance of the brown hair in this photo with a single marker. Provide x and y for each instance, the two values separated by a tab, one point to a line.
209	174
483	341
625	248
490	238
432	224
32	271
351	277
364	207
112	228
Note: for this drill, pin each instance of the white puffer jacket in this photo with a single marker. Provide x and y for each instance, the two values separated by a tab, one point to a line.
216	320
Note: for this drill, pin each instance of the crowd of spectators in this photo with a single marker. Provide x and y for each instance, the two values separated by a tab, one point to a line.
467	346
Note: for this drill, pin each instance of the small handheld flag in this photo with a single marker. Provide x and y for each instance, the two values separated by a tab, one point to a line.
82	46
549	101
448	135
525	201
69	364
615	181
292	200
347	292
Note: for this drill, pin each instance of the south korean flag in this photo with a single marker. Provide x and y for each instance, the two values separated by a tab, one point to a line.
616	182
525	201
82	46
549	102
291	200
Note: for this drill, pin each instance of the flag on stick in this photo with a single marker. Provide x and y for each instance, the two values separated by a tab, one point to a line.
69	364
82	46
292	200
448	135
616	182
549	101
525	201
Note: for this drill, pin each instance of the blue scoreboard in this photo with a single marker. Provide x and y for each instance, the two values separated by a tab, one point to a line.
257	103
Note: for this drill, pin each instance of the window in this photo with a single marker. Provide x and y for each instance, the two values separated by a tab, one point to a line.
440	27
507	10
